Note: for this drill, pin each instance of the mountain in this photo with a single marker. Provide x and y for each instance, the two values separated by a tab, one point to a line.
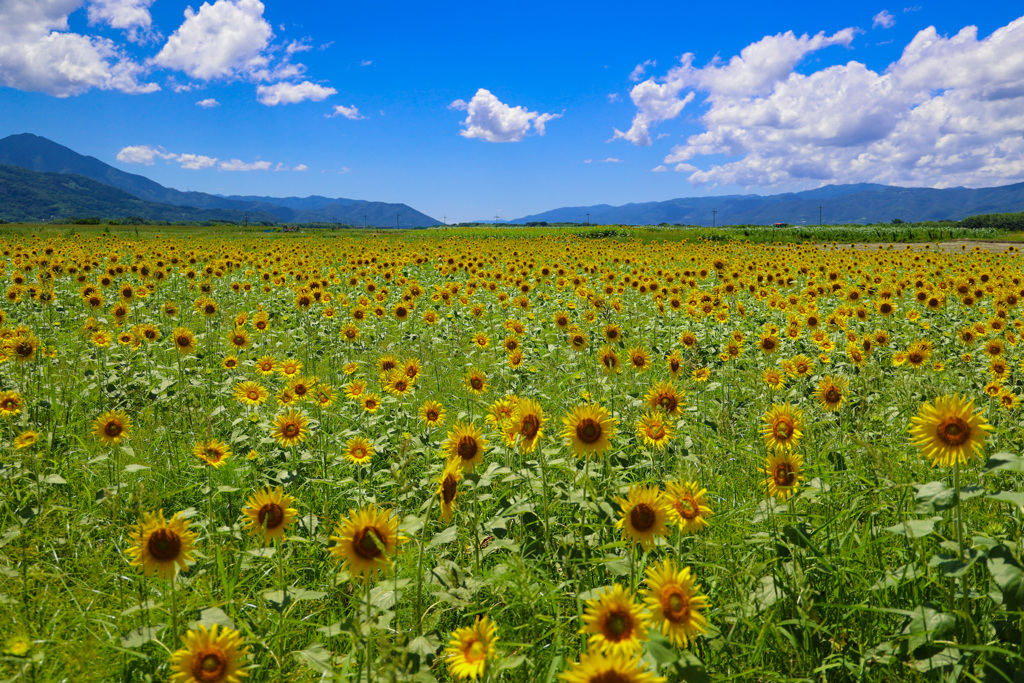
45	156
28	196
860	203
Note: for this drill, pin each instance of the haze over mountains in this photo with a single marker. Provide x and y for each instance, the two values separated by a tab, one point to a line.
58	198
41	180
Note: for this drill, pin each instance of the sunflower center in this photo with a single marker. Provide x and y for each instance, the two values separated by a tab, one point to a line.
183	341
253	395
476	383
768	344
209	665
112	429
368	543
271	516
953	431
474	652
588	430
915	358
668	403
782	429
687	508
467	448
609	676
783	475
618	626
675	604
642	517
290	429
432	415
529	427
449	487
656	431
833	395
164	545
359	453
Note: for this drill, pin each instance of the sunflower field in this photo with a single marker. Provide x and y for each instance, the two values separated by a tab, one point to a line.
437	457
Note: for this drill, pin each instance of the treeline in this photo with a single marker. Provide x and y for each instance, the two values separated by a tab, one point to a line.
998	221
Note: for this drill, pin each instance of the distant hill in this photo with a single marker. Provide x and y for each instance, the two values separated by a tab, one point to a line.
862	203
45	156
28	196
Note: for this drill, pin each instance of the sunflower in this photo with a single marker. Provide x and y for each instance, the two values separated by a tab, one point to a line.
701	375
239	338
525	425
110	427
26	439
323	394
674	363
654	429
950	431
359	450
918	353
639	358
783	473
398	383
266	365
289	367
768	343
595	667
448	488
471	648
644	515
365	539
212	451
608	359
615	622
412	369
481	340
830	392
500	412
515	359
290	428
432	413
666	397
675	602
589	430
465	445
270	512
800	366
781	428
476	381
370	402
11	403
161	547
251	393
214	656
301	387
386	364
774	378
690	504
355	389
184	340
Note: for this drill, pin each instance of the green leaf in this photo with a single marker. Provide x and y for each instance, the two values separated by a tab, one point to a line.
506	663
1008	575
1014	497
914	528
933	497
443	537
54	479
214	615
1004	461
952	566
424	646
135	467
316	657
927	624
142	635
279	600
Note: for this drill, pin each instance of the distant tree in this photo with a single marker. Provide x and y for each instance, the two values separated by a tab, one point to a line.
897	221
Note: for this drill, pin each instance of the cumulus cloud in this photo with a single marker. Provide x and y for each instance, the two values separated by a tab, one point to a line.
301	167
350	113
146	155
755	71
131	16
39	53
491	120
948	112
221	41
883	19
208	103
196	162
239	165
292	93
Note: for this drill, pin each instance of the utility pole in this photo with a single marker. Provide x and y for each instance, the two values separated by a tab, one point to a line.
247	220
714	217
398	221
364	221
495	219
819	215
444	220
588	218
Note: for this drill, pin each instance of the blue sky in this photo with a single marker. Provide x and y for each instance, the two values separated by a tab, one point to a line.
485	109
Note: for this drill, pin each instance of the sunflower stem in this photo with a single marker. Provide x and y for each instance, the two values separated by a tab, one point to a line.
419	570
959	519
174	614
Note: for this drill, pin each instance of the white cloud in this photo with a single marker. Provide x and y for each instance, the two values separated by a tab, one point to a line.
227	39
609	160
350	113
366	62
491	120
755	71
239	165
208	103
292	93
640	69
948	112
38	53
196	162
297	46
142	154
129	15
613	97
660	168
883	19
301	167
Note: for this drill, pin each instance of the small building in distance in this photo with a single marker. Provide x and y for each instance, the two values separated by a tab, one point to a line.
781	225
